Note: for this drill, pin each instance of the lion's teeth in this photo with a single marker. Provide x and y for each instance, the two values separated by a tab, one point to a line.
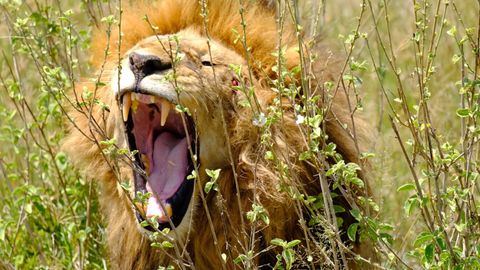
168	209
126	103
165	111
134	105
146	163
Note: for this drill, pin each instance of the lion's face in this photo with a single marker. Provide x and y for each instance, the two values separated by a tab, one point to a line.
176	94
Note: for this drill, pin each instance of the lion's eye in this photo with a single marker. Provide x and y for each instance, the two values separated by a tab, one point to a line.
207	63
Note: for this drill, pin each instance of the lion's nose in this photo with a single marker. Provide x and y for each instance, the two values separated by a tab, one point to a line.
143	65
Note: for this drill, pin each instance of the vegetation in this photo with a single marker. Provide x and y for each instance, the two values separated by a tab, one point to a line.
413	69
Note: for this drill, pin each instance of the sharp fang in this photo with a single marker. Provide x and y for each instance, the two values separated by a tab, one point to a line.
134	105
146	163
165	111
127	103
168	209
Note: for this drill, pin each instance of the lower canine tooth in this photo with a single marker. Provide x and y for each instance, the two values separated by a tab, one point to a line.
134	105
168	209
127	103
146	163
165	111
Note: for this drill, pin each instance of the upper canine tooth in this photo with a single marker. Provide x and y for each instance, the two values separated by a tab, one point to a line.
126	104
165	111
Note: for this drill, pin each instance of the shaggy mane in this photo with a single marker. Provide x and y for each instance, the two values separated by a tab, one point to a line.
224	25
258	178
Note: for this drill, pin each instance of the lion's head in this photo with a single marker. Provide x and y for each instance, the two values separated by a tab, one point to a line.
177	95
187	98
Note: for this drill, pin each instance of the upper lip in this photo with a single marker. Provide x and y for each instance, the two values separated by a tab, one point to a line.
152	85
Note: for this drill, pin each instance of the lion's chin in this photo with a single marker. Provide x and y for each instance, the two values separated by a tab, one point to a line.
163	141
180	232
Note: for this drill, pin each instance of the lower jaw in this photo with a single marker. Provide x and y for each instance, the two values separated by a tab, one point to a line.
180	203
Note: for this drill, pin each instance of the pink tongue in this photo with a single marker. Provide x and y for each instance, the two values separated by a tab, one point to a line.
168	170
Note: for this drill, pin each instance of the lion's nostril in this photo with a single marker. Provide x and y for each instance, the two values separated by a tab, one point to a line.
143	65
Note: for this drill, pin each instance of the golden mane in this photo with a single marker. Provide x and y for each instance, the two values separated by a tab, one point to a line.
259	179
224	25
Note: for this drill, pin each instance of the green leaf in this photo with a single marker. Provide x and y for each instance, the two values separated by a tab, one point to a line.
289	257
278	242
167	244
214	174
192	176
423	238
126	185
293	243
429	250
356	213
357	181
241	258
386	237
339	209
406	187
463	113
410	205
209	186
2	234
352	231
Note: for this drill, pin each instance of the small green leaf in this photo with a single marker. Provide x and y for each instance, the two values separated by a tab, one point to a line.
357	181
352	231
406	187
214	174
241	258
463	113
289	257
125	185
209	186
339	209
356	213
167	244
429	249
278	242
423	238
2	233
293	243
410	205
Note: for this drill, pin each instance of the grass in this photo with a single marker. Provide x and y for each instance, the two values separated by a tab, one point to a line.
414	65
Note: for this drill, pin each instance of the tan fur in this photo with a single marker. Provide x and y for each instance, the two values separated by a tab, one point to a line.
258	179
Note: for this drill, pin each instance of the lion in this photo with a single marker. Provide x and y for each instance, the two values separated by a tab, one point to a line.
186	91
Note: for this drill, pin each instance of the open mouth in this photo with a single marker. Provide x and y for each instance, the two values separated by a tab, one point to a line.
163	141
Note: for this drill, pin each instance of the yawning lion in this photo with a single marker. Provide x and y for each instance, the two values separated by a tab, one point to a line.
197	150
